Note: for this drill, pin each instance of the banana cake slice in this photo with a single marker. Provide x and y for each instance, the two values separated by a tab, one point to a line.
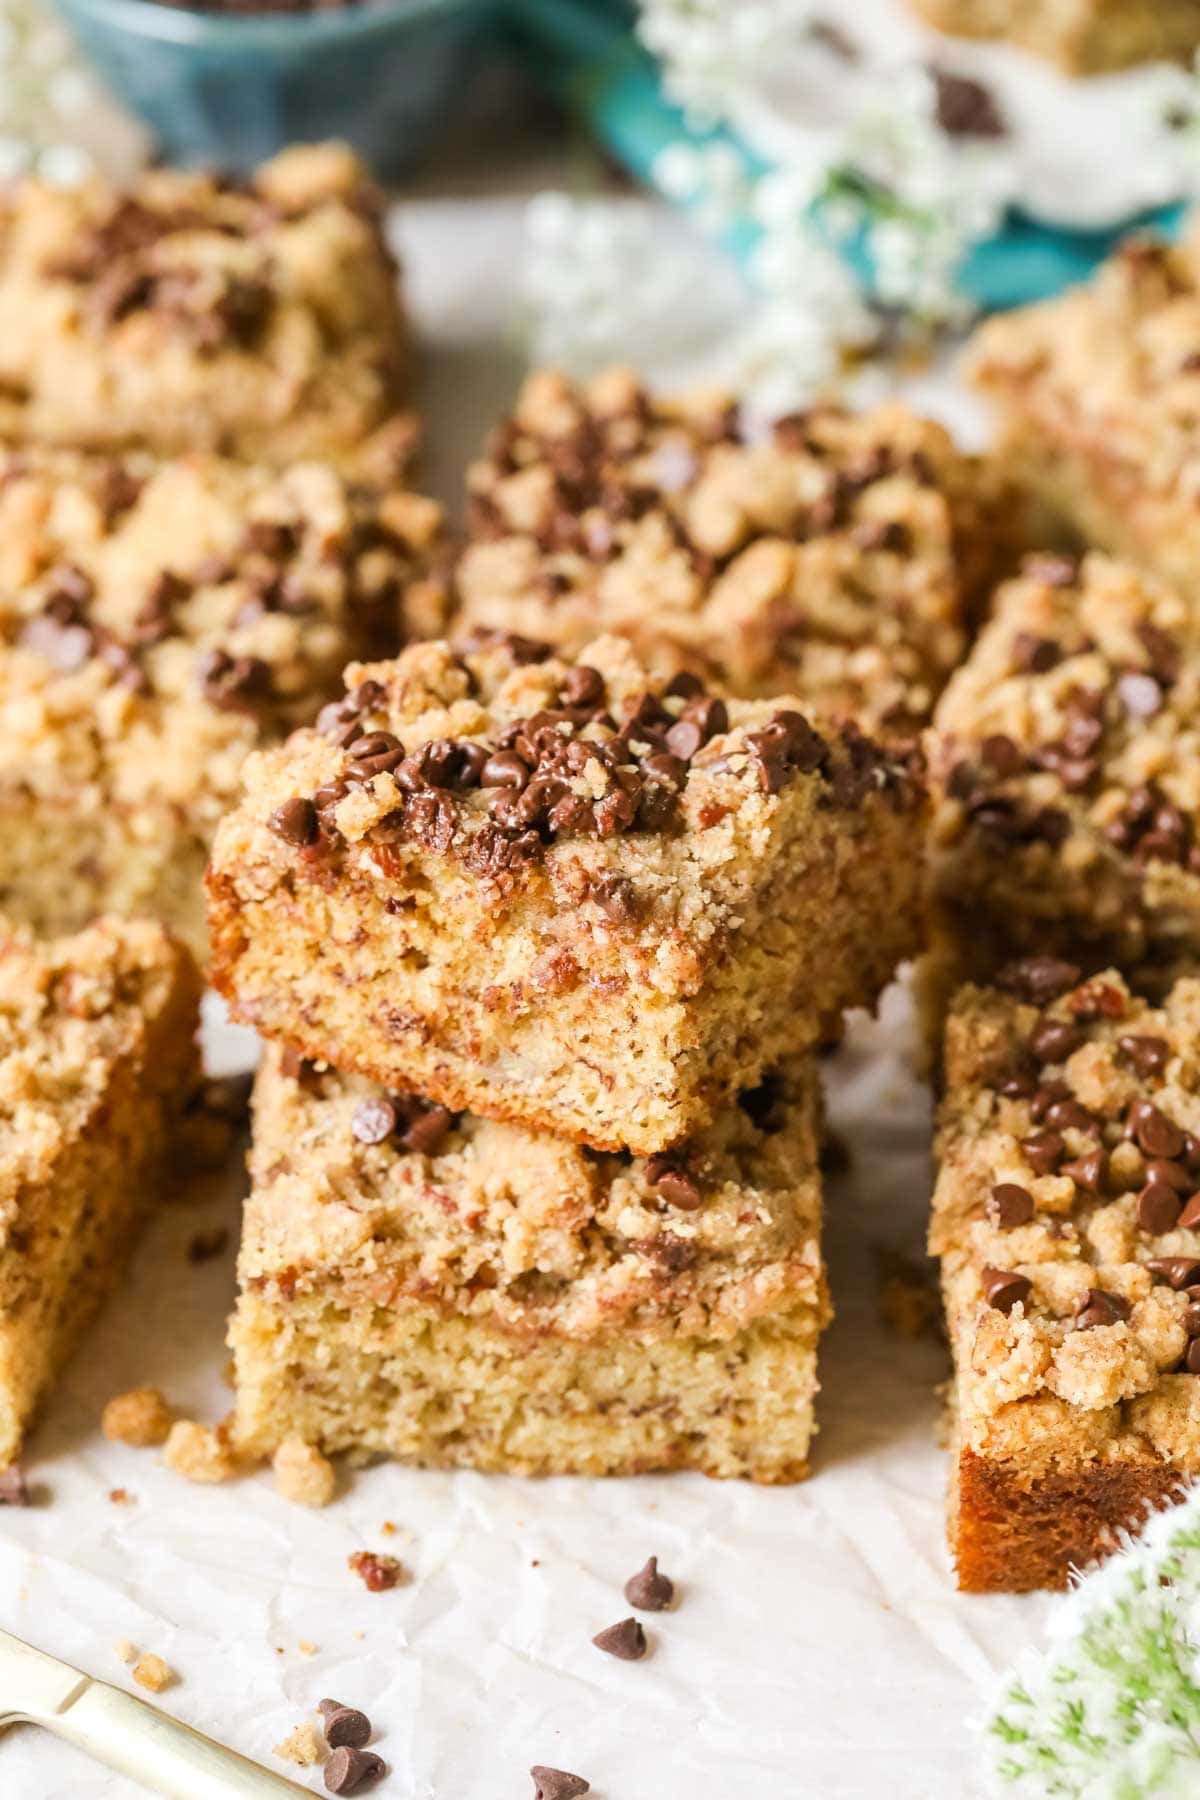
456	1292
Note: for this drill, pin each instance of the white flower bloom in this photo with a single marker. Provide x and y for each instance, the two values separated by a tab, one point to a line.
1110	1710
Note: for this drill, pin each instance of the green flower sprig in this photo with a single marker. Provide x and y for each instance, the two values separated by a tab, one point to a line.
1110	1710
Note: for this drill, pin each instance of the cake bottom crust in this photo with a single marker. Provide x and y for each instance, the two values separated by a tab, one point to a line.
449	1393
1013	1536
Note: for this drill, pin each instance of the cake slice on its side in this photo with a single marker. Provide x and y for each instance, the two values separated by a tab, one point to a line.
459	1293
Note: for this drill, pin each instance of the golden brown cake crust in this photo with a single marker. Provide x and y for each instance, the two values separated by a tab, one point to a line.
489	1297
836	559
1009	1536
1066	1217
157	622
1085	37
608	950
259	318
1065	767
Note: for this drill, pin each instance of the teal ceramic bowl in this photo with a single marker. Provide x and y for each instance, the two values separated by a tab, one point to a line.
230	91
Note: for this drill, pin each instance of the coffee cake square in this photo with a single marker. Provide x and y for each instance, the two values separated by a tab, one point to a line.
460	1293
574	895
1067	1218
158	620
189	311
837	556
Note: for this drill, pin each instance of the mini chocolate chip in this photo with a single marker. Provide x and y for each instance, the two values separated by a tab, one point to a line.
1069	1115
616	896
709	713
1173	1173
374	754
1038	979
1191	1359
295	821
1191	1320
1157	1135
965	107
583	686
348	1769
373	1121
1054	1040
1149	1055
504	769
427	1130
233	683
1189	1218
339	721
1002	754
674	1183
648	1590
1003	1288
1088	1171
1140	694
1009	1205
1032	655
1176	1271
1158	1207
557	1784
1043	1151
1100	1308
626	1640
1046	1095
346	1725
684	738
14	1490
665	767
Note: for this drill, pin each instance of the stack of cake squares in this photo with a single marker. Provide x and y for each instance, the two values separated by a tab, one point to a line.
544	948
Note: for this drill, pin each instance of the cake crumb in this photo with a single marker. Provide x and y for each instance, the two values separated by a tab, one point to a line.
302	1747
199	1452
302	1474
152	1672
124	1650
120	1496
378	1573
305	1648
140	1418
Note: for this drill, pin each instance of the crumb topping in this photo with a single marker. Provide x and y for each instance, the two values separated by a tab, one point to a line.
496	757
831	557
1067	1214
1070	739
534	1233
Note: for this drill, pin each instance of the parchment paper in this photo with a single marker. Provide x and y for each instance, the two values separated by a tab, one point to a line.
818	1649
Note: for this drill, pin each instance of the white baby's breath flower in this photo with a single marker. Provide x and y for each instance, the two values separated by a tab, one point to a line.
712	48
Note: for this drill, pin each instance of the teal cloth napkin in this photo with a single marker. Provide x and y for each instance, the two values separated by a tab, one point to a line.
587	52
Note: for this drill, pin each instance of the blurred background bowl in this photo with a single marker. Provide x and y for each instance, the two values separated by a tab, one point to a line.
231	90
